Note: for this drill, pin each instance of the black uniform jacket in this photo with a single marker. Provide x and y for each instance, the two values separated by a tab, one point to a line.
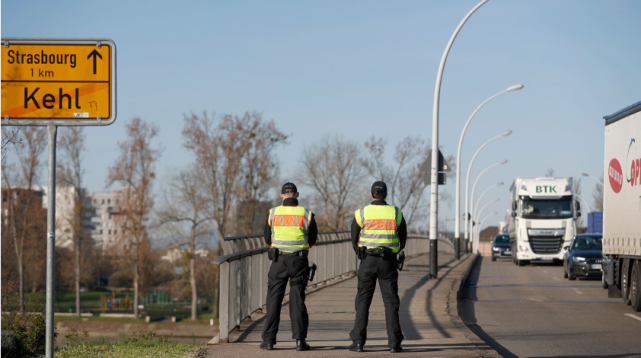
356	230
312	229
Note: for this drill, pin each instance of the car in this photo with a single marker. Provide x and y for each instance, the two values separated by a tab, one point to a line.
583	258
501	246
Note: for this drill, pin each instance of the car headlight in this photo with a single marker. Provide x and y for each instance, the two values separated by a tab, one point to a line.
578	259
495	249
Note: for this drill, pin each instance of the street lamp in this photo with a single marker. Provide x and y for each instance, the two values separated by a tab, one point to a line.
476	216
481	223
485	192
457	230
597	179
584	202
477	180
467	179
434	164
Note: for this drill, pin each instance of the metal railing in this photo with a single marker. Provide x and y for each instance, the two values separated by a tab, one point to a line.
244	267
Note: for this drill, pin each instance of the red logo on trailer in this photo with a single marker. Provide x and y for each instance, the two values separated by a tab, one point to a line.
616	175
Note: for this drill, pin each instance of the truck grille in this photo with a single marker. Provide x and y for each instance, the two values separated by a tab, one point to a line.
546	245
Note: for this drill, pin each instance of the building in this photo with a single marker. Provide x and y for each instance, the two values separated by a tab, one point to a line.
489	233
104	208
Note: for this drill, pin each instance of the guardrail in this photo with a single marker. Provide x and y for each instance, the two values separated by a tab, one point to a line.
244	267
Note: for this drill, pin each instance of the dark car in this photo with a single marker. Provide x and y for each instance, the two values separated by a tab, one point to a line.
501	247
583	257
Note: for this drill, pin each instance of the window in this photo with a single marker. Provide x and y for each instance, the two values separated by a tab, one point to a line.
115	232
108	201
103	201
116	201
109	232
100	231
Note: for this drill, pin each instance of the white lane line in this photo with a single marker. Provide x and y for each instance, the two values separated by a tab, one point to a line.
632	316
577	290
556	278
545	271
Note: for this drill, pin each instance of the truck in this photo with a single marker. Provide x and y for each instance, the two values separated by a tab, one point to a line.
543	216
622	206
595	222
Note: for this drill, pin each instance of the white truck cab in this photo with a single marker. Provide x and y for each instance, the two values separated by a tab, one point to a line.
542	219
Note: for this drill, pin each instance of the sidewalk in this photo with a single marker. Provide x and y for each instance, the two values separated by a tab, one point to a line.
429	329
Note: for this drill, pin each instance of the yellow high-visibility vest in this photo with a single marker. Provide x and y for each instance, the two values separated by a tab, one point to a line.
290	228
379	226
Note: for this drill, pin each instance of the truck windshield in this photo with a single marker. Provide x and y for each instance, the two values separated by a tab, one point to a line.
547	209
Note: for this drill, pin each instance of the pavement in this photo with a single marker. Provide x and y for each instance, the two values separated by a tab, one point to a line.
532	311
428	316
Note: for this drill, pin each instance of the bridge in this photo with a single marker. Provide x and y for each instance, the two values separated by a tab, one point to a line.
429	308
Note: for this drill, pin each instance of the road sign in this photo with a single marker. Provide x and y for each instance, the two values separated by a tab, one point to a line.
443	167
60	81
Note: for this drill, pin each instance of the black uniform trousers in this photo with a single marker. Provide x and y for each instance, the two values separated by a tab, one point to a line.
371	269
296	270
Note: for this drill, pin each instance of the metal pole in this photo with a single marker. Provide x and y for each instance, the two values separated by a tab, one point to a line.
467	183
476	219
485	192
457	224
474	188
434	164
584	202
52	130
596	179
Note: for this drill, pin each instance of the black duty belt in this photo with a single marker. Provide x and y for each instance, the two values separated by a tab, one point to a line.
302	253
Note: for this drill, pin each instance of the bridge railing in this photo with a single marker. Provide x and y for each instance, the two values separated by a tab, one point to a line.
245	264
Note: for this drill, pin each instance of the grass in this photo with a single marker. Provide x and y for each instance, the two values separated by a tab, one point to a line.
132	349
140	344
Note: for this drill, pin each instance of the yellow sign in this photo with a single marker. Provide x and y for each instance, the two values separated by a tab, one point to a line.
70	82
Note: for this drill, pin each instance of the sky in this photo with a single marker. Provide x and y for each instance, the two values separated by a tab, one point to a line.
363	68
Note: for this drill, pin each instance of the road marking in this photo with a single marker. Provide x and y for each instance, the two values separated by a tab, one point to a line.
556	278
577	290
545	271
632	316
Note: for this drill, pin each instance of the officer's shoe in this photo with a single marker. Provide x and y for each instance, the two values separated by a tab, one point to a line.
356	347
397	349
267	345
301	345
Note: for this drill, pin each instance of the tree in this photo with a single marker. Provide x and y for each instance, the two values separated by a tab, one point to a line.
259	167
134	171
218	151
187	211
9	137
333	169
598	196
404	179
22	200
70	174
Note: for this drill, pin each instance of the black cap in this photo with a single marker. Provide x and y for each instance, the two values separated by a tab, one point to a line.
379	187
289	188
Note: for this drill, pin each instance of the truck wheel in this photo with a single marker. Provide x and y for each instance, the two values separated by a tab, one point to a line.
635	286
571	277
522	262
604	283
625	283
493	258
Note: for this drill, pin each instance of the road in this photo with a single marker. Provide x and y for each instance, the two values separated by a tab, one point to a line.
533	311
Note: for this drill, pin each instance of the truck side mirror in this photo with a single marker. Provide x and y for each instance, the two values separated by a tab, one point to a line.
577	205
578	214
513	214
514	206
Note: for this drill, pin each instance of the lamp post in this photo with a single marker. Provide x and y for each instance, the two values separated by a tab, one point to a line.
467	183
476	182
434	164
477	214
481	223
457	230
596	179
485	192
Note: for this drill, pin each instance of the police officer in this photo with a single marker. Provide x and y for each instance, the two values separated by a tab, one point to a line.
379	233
290	231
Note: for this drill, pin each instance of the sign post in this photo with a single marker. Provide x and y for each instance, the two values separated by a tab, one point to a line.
57	82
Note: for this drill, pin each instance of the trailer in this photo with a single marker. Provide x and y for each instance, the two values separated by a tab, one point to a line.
622	206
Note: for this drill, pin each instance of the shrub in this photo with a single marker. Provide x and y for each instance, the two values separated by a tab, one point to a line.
11	345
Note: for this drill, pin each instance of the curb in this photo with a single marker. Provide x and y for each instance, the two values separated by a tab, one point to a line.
453	309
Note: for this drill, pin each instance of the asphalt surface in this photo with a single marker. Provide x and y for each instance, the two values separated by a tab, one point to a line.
533	311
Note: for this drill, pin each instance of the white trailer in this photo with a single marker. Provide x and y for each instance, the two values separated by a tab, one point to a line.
622	206
542	222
